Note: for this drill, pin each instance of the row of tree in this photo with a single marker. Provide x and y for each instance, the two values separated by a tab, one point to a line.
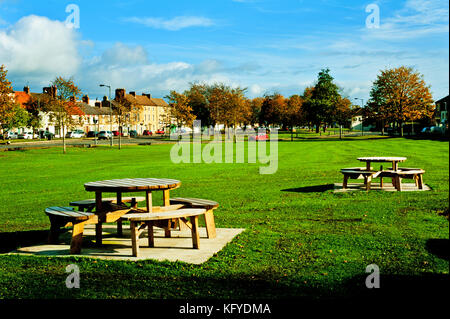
398	95
319	105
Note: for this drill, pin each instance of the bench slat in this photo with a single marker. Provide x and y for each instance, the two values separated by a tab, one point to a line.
180	213
68	213
194	202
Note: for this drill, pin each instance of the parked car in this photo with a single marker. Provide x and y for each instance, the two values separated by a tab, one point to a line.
133	133
92	134
432	130
75	134
104	135
116	133
46	134
259	137
160	132
10	135
25	136
147	133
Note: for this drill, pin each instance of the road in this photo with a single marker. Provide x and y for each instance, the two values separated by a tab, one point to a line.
80	142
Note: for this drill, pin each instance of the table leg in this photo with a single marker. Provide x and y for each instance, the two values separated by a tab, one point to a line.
148	200
166	197
100	213
368	166
166	202
394	165
119	221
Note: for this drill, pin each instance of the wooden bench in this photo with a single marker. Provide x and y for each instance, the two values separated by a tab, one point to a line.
209	205
138	222
359	172
89	204
66	217
405	173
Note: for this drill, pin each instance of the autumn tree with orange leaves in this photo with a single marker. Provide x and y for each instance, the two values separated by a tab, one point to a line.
399	95
64	111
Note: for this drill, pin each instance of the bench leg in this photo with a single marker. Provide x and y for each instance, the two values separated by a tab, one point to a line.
151	237
77	238
98	234
368	182
195	234
381	182
134	239
55	228
398	183
210	225
420	181
344	184
119	228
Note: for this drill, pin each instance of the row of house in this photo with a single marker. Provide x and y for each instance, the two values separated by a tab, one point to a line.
150	113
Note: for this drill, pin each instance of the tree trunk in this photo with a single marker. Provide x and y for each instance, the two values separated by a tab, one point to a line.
317	128
120	137
292	133
340	132
64	138
401	129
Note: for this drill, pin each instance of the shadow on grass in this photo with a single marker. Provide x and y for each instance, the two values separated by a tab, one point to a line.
13	240
439	247
310	189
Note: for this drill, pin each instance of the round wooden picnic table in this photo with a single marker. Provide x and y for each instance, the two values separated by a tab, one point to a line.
393	159
127	185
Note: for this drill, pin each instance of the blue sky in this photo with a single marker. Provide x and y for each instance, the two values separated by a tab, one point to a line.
263	45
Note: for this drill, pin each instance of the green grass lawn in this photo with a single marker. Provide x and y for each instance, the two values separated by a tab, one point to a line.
301	239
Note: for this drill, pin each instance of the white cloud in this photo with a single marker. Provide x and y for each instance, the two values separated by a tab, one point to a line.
173	24
123	55
39	48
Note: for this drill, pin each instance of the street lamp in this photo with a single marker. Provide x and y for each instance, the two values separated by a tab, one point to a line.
110	111
362	115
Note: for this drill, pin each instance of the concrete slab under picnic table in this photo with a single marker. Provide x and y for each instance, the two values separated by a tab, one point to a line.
387	187
176	248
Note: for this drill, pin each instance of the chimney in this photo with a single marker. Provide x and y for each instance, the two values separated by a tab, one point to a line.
98	104
26	89
85	99
133	93
120	94
72	99
50	90
147	95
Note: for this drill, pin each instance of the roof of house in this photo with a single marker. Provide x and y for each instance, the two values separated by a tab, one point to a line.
21	97
442	100
144	100
94	110
159	102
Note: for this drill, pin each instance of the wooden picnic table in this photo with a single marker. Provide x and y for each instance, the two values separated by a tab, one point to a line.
383	159
127	185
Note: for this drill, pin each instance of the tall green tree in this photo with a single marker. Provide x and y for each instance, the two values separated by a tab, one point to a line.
322	101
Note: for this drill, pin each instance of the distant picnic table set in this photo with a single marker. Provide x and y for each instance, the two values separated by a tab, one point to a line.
395	173
173	214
